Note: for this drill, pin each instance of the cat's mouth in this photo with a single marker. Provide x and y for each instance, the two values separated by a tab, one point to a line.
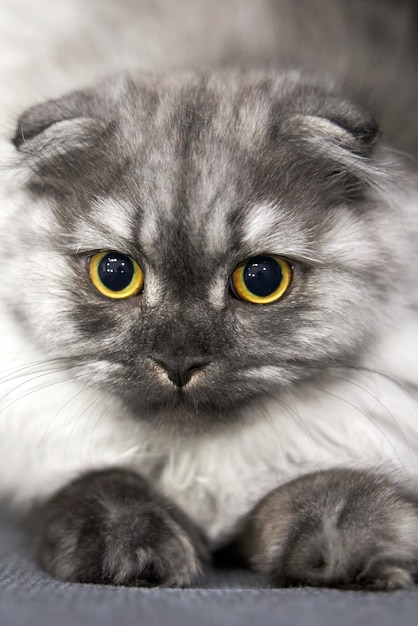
202	403
200	398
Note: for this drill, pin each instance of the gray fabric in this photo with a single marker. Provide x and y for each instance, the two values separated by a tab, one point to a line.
29	597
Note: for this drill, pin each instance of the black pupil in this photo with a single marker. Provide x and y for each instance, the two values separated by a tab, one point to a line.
262	275
116	271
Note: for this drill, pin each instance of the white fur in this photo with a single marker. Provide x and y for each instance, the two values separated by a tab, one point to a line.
113	231
259	223
263	228
116	217
217	292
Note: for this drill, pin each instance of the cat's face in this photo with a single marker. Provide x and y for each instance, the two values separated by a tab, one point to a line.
189	177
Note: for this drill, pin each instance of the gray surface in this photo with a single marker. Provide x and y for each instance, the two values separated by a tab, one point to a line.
29	597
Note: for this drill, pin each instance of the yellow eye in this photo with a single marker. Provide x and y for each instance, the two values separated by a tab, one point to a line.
261	279
115	275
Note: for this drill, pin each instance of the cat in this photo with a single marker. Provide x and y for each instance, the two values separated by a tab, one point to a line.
208	296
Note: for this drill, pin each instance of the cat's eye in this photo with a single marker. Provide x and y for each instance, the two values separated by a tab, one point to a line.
115	275
261	279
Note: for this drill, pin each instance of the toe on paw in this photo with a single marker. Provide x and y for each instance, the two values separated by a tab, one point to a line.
389	578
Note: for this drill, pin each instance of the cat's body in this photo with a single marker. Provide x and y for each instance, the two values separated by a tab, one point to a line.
218	478
190	172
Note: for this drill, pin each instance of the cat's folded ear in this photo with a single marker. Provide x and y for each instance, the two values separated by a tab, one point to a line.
323	118
336	118
51	118
53	138
337	137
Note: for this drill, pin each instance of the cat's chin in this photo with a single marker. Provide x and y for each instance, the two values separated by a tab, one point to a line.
186	415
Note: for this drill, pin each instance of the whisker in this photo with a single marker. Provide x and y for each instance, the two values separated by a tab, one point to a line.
30	380
35	390
380	403
359	410
22	371
76	395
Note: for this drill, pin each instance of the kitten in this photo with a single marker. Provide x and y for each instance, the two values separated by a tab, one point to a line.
209	311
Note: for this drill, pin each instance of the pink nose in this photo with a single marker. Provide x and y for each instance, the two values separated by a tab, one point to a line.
180	370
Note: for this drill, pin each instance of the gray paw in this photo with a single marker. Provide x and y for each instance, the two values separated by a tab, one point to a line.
112	528
385	577
338	528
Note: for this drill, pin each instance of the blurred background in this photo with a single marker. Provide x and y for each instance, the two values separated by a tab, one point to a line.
368	46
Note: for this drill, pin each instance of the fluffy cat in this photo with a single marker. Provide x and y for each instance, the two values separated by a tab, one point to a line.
146	421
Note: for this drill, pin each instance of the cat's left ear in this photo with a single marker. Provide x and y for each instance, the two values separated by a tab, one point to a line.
337	138
328	120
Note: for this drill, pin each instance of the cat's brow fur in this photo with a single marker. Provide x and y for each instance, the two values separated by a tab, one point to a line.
190	171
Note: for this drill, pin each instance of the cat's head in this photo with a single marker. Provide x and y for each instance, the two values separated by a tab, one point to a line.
242	210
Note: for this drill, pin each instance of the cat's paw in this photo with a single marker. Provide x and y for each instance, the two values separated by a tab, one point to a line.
110	527
385	576
339	528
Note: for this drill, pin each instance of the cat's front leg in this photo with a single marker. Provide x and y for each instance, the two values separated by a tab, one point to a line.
340	528
112	527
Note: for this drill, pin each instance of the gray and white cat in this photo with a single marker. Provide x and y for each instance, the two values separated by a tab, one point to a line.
209	303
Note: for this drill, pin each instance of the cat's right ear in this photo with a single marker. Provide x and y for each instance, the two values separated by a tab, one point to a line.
50	118
53	136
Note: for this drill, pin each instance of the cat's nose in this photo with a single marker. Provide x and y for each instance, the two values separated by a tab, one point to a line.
180	370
